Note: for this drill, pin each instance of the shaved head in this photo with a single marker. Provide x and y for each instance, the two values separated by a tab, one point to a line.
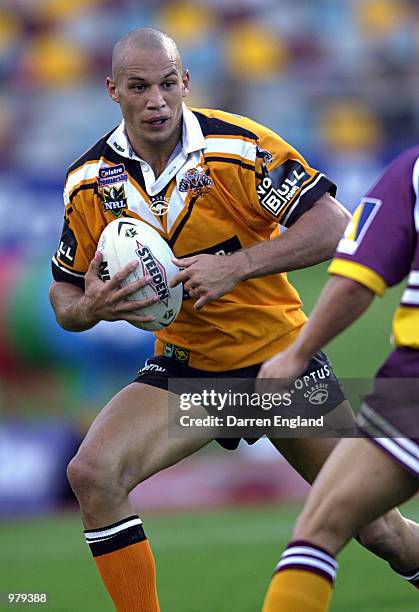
149	85
147	39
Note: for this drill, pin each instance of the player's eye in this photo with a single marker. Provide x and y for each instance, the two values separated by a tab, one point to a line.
139	87
168	84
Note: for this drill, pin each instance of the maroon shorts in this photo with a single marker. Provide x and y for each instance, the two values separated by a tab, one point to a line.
389	416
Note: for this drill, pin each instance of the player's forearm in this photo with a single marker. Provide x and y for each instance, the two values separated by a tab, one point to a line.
311	240
341	302
69	305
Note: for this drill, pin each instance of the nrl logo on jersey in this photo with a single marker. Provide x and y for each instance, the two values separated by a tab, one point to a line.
114	199
196	182
159	205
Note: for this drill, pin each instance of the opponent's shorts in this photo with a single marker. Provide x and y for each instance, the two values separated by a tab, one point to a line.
389	415
318	391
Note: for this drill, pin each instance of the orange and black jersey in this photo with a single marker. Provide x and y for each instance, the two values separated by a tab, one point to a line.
228	185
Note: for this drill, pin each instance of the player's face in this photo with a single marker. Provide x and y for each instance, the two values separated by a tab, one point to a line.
149	88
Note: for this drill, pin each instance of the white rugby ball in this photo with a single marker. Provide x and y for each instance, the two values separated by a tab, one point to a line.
126	239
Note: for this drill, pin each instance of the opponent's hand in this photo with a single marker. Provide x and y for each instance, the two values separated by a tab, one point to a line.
206	277
280	371
107	301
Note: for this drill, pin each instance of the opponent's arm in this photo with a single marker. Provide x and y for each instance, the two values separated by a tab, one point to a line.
78	310
341	302
312	239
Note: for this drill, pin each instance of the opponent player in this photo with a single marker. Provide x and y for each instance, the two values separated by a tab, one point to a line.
212	184
364	477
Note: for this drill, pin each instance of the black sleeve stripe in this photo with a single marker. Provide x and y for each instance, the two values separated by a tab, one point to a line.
228	160
215	126
83	188
60	276
308	200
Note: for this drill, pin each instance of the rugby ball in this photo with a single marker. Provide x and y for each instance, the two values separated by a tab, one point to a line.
126	239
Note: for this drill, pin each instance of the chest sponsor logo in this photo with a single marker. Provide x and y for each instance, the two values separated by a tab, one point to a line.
275	199
159	206
196	182
151	266
112	175
114	199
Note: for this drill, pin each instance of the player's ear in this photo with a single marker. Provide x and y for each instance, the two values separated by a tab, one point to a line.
185	83
112	90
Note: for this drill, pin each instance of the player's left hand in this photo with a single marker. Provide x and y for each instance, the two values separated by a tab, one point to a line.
206	277
280	371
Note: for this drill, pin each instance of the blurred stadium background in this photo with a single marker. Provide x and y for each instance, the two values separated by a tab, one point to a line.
339	80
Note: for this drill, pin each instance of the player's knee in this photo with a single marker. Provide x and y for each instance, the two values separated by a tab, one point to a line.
92	481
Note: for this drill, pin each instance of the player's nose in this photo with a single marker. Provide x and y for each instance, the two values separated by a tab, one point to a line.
155	97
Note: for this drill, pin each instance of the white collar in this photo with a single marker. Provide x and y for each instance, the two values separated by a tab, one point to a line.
192	137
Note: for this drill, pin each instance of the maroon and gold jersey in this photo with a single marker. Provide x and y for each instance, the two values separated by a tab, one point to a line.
228	185
380	246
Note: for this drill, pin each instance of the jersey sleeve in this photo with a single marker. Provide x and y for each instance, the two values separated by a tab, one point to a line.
76	246
378	245
286	186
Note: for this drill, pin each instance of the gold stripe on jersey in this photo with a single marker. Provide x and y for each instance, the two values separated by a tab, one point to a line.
406	327
358	272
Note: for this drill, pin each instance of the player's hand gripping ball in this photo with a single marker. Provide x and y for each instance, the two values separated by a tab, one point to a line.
128	239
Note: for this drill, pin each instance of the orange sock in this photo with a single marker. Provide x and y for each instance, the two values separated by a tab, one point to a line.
303	581
125	562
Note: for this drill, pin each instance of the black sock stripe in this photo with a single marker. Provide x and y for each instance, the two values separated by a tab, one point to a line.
119	540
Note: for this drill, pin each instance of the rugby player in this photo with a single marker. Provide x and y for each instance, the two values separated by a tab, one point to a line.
212	184
366	476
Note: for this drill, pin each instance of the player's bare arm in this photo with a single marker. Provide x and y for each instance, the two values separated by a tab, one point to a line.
208	277
341	302
78	310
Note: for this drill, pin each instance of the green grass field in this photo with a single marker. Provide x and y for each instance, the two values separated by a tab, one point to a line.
206	562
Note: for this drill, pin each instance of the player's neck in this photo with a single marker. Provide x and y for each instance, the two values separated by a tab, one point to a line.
156	155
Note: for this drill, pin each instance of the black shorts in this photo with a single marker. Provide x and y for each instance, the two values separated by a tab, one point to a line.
318	391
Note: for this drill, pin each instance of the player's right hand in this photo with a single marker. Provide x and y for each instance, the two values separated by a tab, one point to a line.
108	301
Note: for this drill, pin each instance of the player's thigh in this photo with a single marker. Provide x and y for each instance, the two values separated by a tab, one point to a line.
357	484
307	455
131	439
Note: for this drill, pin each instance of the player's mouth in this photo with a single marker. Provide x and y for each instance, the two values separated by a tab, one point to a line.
156	123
